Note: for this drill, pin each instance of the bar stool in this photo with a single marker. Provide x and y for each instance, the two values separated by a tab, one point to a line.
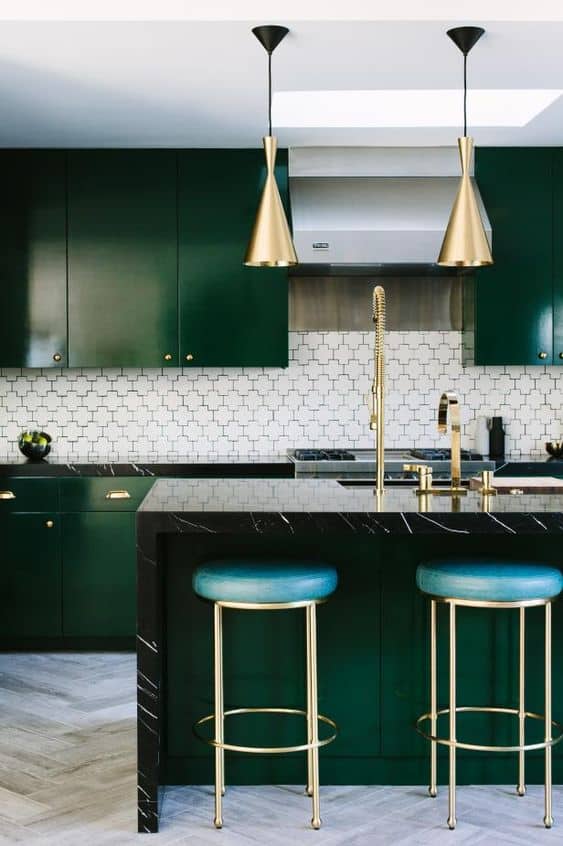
266	585
488	583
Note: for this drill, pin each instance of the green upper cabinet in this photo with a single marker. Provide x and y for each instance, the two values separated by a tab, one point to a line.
513	299
33	258
122	258
230	315
558	256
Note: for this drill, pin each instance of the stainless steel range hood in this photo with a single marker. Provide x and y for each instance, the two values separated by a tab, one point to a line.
372	206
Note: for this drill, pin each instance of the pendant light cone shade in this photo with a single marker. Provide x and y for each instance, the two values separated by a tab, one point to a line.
465	243
270	242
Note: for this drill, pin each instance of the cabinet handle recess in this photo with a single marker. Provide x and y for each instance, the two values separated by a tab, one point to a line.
542	355
57	357
7	495
49	524
118	495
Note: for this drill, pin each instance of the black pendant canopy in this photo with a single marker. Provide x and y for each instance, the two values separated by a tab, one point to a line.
270	36
465	37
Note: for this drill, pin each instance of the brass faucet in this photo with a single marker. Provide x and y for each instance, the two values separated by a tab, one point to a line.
377	410
449	402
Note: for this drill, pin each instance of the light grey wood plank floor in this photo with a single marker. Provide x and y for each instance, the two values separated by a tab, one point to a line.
67	778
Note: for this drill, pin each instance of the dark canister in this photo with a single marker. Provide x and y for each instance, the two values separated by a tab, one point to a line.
496	438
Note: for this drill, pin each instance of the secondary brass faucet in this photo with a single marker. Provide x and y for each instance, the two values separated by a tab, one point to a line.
377	409
449	402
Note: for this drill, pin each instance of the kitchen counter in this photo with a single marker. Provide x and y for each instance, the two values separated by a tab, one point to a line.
182	522
168	466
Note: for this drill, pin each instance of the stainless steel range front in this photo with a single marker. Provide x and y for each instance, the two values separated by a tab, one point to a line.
359	464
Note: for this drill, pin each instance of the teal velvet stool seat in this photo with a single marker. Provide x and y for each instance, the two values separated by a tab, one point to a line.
488	583
267	585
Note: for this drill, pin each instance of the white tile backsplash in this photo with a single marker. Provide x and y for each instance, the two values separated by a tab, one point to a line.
320	400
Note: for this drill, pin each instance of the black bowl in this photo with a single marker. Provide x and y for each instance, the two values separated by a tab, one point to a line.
33	449
555	448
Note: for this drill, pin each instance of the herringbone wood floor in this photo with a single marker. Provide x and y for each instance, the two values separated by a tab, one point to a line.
67	778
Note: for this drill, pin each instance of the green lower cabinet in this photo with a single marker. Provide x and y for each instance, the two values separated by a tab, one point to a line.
30	576
99	574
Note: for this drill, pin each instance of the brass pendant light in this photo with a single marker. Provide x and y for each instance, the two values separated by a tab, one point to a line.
465	243
270	243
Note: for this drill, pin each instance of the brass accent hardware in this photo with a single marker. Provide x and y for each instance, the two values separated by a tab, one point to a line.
7	495
57	357
119	494
542	355
49	524
189	357
425	477
449	402
377	398
168	357
487	487
561	355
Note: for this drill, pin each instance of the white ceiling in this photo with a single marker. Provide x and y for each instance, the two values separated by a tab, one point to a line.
183	81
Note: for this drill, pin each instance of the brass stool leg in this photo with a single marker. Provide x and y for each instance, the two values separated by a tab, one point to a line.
309	788
314	713
433	788
548	818
521	788
452	785
219	707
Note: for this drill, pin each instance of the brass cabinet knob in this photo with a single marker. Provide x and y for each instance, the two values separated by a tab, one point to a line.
190	357
561	355
49	524
57	357
542	355
168	357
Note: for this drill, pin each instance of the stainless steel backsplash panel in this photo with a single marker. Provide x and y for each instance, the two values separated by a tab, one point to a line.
344	302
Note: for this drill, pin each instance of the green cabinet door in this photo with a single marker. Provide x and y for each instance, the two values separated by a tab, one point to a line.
122	258
230	315
558	256
30	576
33	258
514	297
99	574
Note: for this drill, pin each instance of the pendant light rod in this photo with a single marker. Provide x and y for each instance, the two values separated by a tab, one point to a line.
269	37
465	38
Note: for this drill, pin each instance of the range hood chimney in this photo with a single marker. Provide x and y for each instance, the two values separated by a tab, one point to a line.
373	206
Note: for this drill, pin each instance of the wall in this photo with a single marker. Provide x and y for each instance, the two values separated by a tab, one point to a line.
320	400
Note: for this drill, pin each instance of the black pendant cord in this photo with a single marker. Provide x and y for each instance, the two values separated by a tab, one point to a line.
464	95
269	93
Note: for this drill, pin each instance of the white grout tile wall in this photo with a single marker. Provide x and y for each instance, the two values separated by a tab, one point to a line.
319	400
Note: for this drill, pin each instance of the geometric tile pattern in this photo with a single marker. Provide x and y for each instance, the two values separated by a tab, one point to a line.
319	400
67	778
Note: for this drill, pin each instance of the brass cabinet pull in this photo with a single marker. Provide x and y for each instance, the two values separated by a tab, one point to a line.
561	355
190	357
57	357
168	357
7	495
118	495
49	524
542	355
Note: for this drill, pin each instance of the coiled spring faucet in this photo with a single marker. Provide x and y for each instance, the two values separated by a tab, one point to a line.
377	409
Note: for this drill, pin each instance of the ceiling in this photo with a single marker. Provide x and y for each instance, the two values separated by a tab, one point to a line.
179	81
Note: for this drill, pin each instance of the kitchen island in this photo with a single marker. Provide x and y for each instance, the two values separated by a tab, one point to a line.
372	633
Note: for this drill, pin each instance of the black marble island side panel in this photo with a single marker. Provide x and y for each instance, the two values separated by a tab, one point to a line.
294	507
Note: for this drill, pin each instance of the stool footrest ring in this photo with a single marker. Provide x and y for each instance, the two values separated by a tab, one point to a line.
265	750
458	744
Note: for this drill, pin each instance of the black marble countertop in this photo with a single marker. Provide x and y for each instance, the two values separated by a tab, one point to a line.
290	505
169	466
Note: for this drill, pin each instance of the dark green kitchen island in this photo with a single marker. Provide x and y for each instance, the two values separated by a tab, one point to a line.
373	664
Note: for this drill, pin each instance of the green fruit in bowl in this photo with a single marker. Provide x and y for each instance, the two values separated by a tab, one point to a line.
34	445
